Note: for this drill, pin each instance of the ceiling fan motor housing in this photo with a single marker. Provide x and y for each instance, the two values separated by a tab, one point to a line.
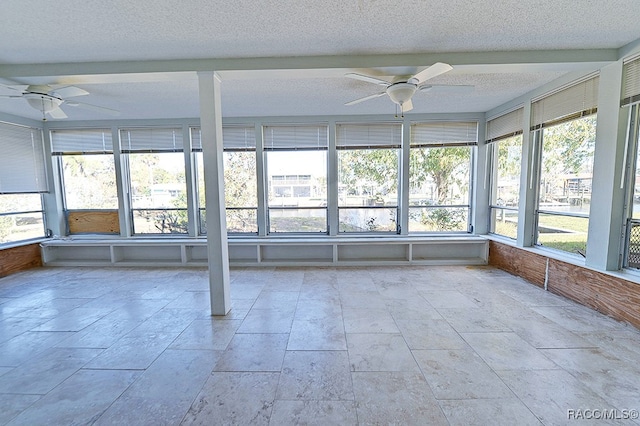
401	93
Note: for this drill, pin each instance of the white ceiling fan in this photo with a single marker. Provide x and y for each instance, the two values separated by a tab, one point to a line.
49	100
401	89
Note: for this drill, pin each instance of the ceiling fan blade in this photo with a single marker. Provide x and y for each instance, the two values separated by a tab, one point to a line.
90	107
367	78
451	89
17	87
407	106
10	96
430	72
57	113
366	98
70	92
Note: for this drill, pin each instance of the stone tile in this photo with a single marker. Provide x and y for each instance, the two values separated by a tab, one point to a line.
234	398
474	320
191	300
15	326
399	398
358	299
495	412
315	375
318	309
74	320
245	291
21	348
550	394
101	334
147	401
254	352
416	309
211	334
78	400
578	318
133	351
460	374
430	334
275	320
275	299
317	335
318	413
379	352
541	332
507	351
43	373
13	404
368	321
171	320
448	299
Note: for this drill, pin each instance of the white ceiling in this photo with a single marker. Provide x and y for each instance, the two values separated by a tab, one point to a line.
289	57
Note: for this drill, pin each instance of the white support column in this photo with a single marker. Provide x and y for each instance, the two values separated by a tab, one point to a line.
606	215
403	199
528	182
332	181
122	185
480	184
212	154
53	200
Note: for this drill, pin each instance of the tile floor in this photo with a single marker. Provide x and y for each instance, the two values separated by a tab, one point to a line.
325	346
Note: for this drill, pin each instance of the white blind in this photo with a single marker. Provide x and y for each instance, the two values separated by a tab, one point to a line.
367	136
631	82
234	138
575	101
81	141
152	139
22	164
295	137
444	133
505	126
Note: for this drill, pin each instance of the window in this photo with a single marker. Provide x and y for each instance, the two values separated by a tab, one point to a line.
440	175
240	184
504	133
157	179
296	170
86	155
22	179
368	166
565	128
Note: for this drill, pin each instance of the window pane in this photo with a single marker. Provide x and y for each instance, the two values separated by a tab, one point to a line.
297	179
158	193
438	219
89	182
17	226
565	233
507	185
439	176
367	220
368	177
567	166
297	220
504	222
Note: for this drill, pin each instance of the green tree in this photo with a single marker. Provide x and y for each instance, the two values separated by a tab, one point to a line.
445	166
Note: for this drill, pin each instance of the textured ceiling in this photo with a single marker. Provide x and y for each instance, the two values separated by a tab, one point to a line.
73	33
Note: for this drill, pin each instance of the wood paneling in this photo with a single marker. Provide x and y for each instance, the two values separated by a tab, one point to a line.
530	266
19	259
94	222
610	295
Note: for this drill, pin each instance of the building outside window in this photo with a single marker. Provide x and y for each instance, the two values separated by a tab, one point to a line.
368	171
440	161
296	171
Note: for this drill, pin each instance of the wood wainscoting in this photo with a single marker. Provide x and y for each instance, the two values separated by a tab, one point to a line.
20	258
608	294
93	222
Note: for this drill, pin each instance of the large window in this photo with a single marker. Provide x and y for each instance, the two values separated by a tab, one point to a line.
86	155
296	170
440	175
368	165
240	184
22	179
504	134
157	180
630	98
565	125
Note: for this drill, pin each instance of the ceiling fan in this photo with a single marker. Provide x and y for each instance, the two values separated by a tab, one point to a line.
49	100
402	89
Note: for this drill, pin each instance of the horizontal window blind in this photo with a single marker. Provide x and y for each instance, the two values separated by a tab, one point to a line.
152	139
573	102
81	141
368	136
22	163
631	82
444	133
505	126
234	138
295	137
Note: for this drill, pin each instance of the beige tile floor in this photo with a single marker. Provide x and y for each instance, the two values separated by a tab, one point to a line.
326	346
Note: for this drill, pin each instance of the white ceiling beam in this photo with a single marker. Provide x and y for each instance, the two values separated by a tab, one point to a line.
538	57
